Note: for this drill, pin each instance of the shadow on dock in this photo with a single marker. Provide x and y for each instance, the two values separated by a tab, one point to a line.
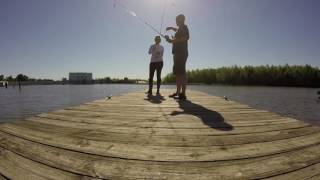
157	99
210	118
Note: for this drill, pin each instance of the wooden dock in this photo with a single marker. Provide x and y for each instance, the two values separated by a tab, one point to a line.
134	137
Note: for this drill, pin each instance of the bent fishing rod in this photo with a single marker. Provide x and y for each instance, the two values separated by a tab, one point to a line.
132	13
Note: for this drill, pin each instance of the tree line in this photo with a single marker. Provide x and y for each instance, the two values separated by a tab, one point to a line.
19	77
106	80
283	75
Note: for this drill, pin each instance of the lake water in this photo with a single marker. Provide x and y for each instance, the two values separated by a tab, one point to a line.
299	103
32	100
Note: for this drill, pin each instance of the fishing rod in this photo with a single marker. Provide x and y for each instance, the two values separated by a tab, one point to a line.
163	14
132	13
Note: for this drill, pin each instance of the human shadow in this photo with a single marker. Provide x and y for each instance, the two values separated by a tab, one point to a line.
156	99
210	118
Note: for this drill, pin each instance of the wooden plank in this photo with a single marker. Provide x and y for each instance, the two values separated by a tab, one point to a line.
145	114
315	177
2	177
192	141
14	166
218	129
158	123
189	121
161	111
109	107
309	172
58	158
105	167
181	140
196	141
182	119
160	153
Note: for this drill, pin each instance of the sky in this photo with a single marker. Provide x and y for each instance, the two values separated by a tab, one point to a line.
50	38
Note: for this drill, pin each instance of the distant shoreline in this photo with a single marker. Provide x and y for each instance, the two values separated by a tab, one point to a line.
266	76
191	84
275	76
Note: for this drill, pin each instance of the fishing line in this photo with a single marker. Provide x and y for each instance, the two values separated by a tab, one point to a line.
163	14
132	13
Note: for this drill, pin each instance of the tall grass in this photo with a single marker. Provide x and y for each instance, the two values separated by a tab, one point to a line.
304	76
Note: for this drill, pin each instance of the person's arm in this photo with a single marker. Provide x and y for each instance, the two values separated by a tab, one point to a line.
184	37
150	49
162	51
172	28
177	40
168	39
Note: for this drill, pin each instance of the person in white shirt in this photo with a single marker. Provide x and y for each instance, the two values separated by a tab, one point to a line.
156	64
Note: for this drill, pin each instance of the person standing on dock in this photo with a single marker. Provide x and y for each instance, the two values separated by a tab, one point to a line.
156	64
180	55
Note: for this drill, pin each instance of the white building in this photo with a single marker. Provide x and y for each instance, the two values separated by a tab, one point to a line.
80	78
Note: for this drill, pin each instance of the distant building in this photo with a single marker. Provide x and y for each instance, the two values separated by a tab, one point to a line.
80	78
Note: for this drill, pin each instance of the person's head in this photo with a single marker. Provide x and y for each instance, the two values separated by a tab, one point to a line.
157	39
180	20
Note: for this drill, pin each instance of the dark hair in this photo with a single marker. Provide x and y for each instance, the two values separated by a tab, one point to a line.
157	39
182	17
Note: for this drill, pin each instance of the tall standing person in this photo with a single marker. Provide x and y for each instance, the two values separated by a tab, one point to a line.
156	64
180	55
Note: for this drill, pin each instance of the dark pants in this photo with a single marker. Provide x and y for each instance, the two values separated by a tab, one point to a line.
155	66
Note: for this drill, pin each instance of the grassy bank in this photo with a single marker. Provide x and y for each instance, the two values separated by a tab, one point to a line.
300	76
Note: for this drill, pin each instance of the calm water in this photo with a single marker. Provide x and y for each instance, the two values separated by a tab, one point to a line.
300	103
31	100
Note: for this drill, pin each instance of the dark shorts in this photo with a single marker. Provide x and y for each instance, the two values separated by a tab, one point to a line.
179	64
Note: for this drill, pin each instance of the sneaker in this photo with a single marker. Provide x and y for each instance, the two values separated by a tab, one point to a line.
149	92
173	95
181	97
